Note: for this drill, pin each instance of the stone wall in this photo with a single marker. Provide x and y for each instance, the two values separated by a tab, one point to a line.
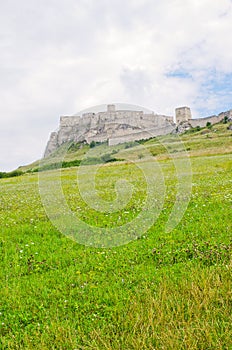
214	119
118	126
67	121
203	121
142	135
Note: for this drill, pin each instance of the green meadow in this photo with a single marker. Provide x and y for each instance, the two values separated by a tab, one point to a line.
165	289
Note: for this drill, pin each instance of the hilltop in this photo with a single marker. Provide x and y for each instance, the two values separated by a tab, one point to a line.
116	126
211	140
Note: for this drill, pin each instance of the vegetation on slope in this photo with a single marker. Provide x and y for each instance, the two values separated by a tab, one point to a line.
161	291
214	138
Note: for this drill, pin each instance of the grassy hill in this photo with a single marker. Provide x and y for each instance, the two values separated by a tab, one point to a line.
206	141
163	290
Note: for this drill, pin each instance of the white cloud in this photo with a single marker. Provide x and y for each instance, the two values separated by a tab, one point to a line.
58	57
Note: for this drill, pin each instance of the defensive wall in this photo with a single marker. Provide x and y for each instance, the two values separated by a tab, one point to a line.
118	126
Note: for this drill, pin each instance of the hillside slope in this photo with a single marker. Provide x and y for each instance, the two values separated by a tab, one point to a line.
213	140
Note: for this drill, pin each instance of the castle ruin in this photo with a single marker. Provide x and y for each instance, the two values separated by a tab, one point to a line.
183	114
119	126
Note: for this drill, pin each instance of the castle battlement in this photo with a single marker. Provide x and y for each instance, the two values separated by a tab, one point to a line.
118	126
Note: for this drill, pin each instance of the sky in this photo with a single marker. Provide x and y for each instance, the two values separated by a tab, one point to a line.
58	57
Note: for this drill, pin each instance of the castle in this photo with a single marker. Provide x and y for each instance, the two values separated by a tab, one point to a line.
119	126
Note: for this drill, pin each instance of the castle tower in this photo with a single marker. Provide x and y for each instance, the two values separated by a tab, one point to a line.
183	114
110	108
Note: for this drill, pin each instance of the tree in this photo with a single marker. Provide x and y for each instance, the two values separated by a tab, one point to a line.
92	144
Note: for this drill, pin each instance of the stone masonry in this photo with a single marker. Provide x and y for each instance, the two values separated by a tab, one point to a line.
118	126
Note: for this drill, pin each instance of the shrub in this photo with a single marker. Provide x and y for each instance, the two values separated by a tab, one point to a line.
92	144
11	174
106	157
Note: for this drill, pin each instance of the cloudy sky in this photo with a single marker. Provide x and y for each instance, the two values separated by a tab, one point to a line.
61	56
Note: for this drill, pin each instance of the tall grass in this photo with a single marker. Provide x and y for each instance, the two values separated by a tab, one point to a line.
161	291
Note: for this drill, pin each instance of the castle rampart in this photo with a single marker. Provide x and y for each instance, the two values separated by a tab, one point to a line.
118	126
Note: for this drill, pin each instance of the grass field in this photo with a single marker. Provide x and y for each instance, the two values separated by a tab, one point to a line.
163	290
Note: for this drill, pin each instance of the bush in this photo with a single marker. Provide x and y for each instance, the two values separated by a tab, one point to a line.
192	130
106	157
92	144
96	143
71	163
11	174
